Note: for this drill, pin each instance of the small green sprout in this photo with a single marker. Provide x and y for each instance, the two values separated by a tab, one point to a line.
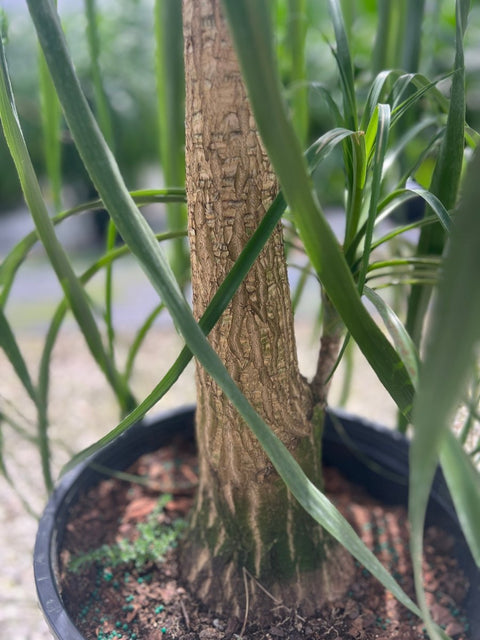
150	545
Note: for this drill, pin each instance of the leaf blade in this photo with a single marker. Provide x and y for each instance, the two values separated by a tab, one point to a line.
447	362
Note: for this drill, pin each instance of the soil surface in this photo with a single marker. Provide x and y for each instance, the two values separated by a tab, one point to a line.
152	603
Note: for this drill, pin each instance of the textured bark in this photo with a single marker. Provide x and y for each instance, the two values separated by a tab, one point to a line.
333	331
244	520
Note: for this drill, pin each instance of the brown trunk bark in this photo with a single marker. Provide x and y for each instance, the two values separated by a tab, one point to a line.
333	331
245	522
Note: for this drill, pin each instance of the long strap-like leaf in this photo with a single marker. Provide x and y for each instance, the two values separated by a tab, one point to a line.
11	349
171	117
12	262
447	173
449	358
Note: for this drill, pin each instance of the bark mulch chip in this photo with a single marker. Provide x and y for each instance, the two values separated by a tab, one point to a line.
123	602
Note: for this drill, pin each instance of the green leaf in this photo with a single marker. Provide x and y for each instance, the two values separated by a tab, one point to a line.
463	482
454	334
381	128
94	50
391	203
345	65
399	196
170	84
51	128
355	156
11	349
435	205
375	92
329	140
389	34
371	131
424	86
326	93
412	132
102	109
447	173
403	343
412	39
140	337
296	37
51	125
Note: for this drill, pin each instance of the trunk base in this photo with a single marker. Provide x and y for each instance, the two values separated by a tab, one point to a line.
227	590
259	551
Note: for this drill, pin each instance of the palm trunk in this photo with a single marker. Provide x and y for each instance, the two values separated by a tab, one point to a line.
245	523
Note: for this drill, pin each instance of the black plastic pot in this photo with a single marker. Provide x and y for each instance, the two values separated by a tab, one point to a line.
371	456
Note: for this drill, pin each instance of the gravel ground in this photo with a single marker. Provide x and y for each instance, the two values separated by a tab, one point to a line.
82	409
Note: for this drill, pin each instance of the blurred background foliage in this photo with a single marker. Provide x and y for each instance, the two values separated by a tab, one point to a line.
126	34
127	63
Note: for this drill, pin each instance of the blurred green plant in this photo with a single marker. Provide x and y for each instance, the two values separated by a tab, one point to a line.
129	107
